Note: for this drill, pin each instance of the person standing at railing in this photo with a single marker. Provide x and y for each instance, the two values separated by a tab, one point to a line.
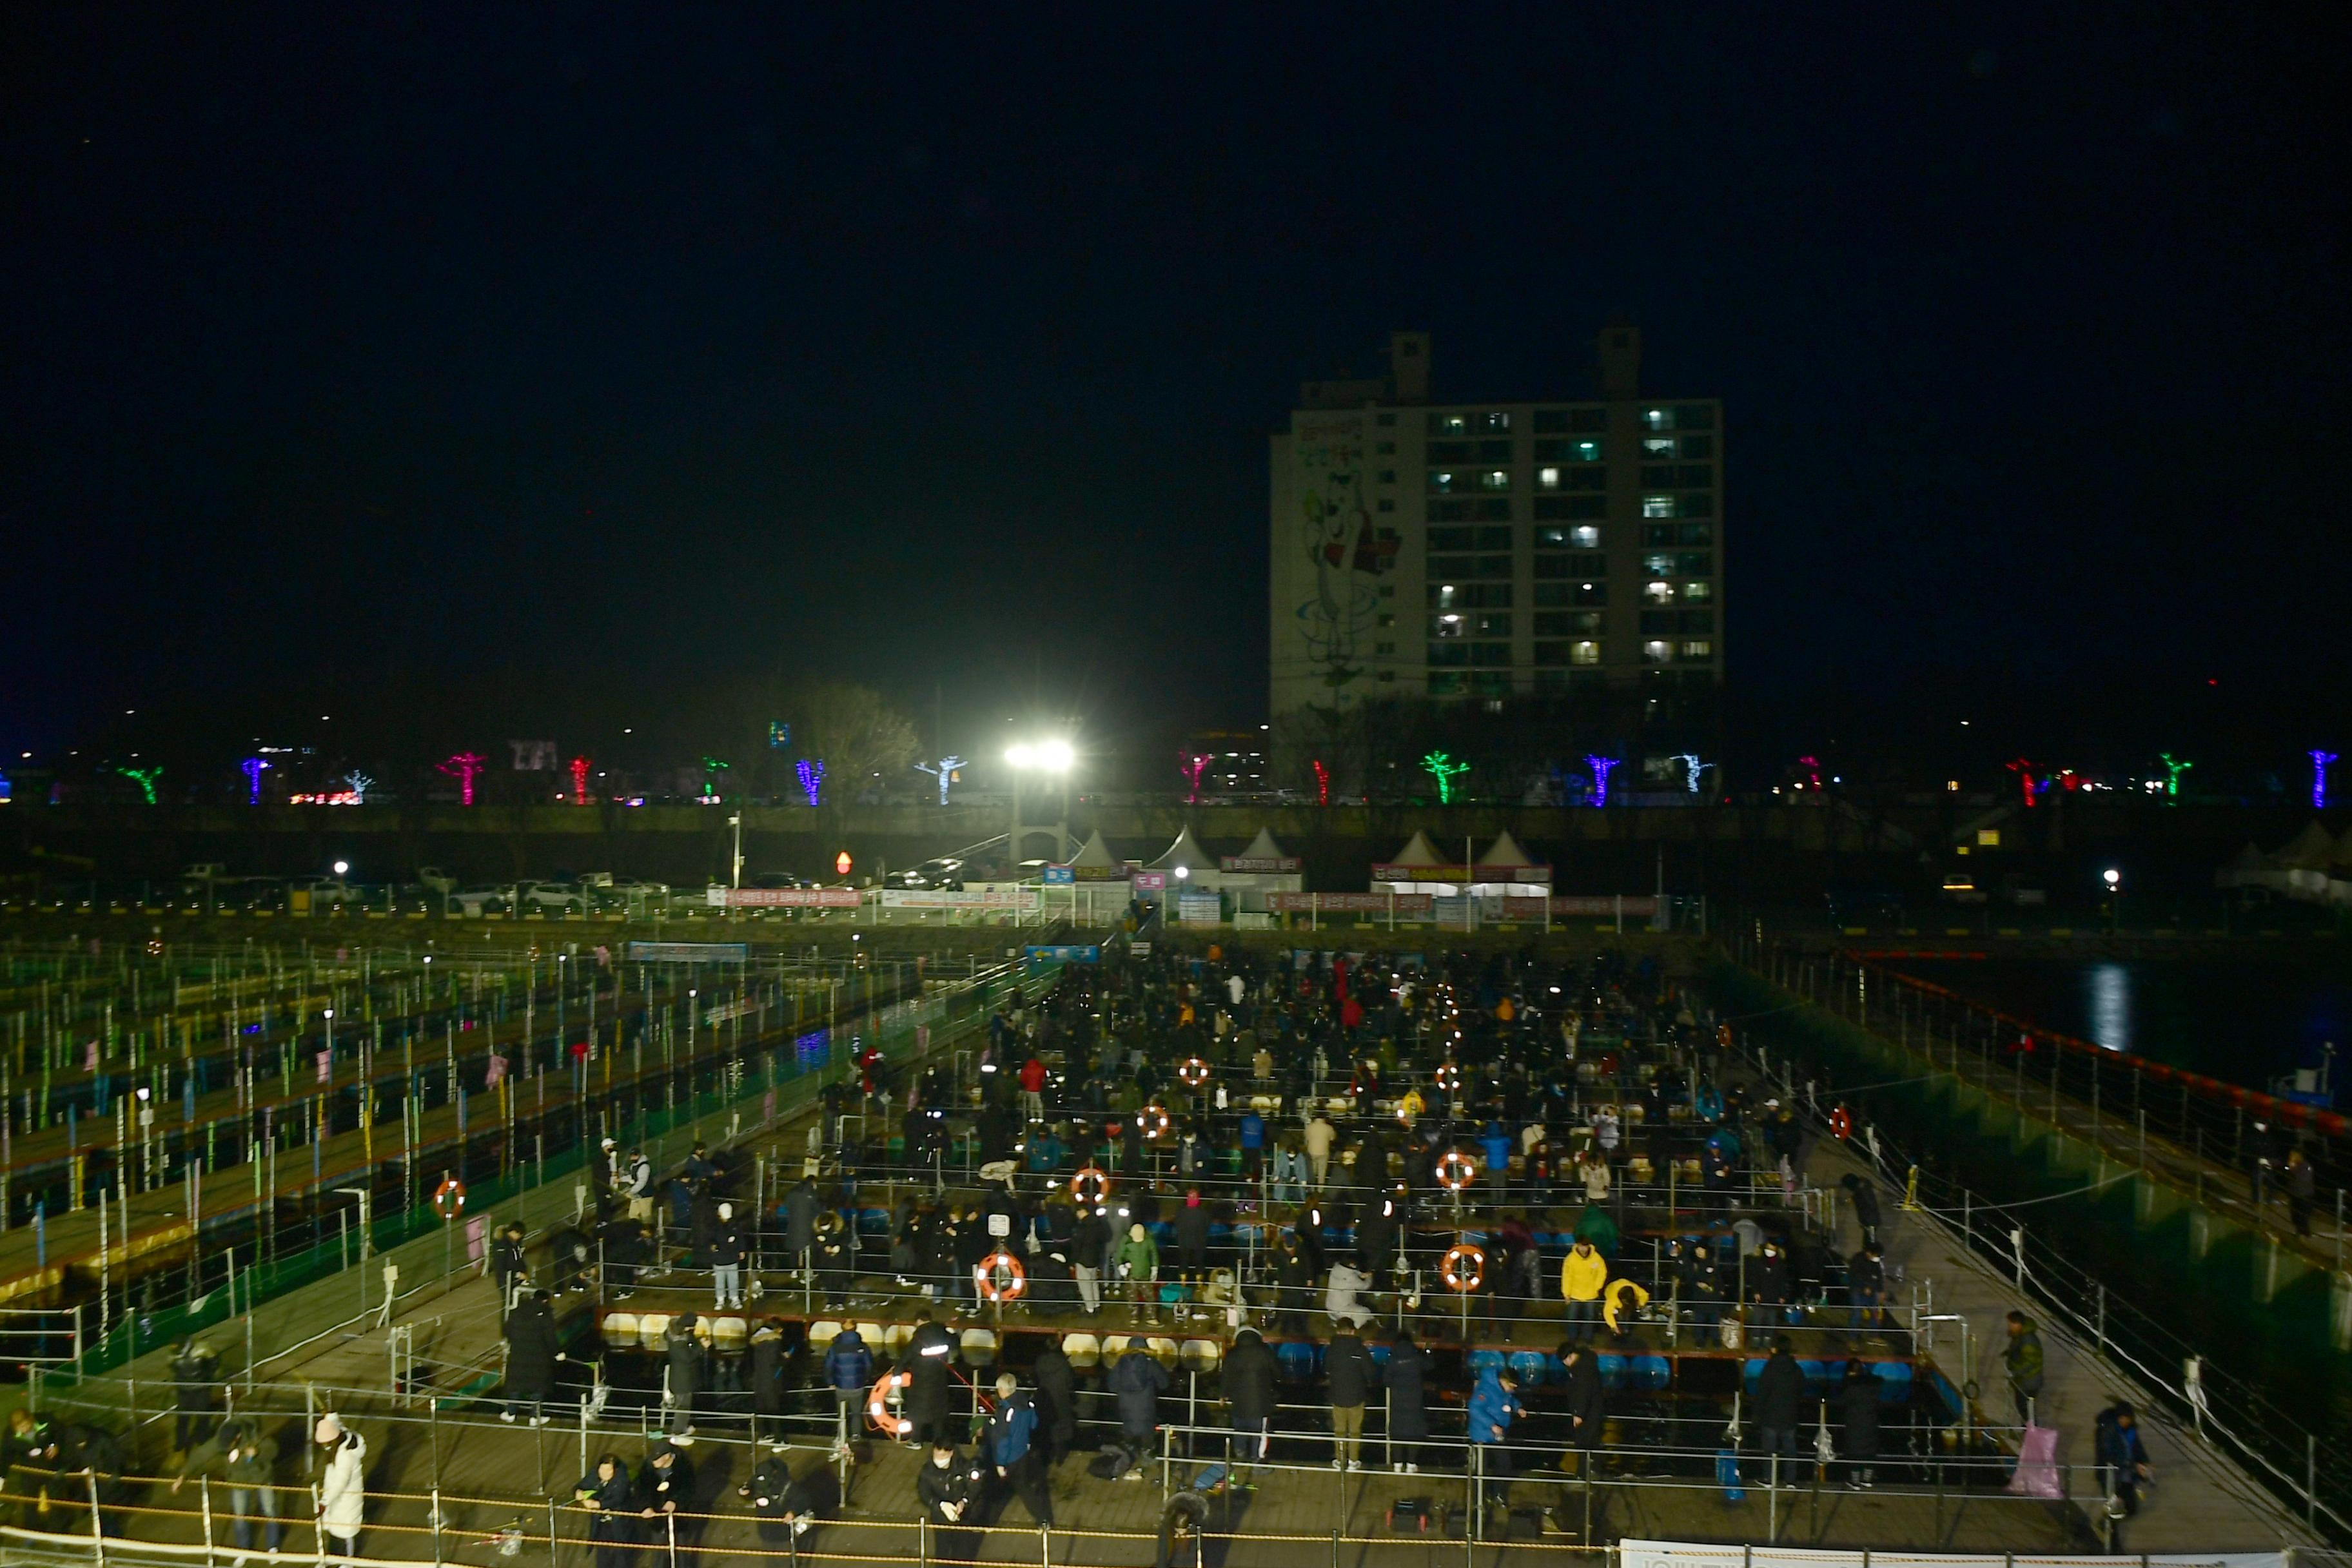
2024	1362
727	1247
509	1264
1863	1198
1780	1390
1494	1407
610	1500
687	1358
2301	1184
196	1377
1586	1402
1319	1135
342	1487
1865	1286
1767	1284
2123	1462
1249	1375
1347	1370
1582	1273
245	1457
1858	1402
532	1355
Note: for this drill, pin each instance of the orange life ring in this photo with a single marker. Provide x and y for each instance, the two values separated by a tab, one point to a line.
1095	1175
1456	1169
1842	1123
1464	1269
1195	1072
1154	1133
1723	1036
878	1404
449	1197
1448	1077
999	1276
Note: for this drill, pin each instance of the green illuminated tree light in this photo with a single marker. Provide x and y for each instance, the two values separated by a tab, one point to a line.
1444	770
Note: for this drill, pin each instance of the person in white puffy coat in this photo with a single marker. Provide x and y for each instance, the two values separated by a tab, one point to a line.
342	1497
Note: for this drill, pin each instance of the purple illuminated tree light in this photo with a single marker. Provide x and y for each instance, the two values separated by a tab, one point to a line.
1601	767
464	767
2319	761
253	768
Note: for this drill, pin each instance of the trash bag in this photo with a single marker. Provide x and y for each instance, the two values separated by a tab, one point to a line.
2037	1465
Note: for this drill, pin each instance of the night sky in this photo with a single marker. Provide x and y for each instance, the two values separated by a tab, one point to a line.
940	352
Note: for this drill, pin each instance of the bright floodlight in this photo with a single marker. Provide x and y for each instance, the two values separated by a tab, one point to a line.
1056	756
1182	872
1019	756
341	867
2112	876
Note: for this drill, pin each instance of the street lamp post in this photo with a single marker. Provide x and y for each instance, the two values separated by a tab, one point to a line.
736	822
1053	757
2114	881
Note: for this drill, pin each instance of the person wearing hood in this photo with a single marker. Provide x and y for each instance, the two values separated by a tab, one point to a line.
1191	1224
727	1248
1011	1445
1348	1370
689	1357
2121	1456
610	1500
1767	1284
1780	1401
510	1263
1865	1284
943	1484
1858	1402
1138	1381
1249	1374
1057	1401
2022	1358
195	1373
1586	1401
1582	1273
1376	1238
766	1356
924	1360
848	1368
241	1456
1621	1307
342	1484
532	1355
1343	1296
1406	1379
1089	1244
1865	1199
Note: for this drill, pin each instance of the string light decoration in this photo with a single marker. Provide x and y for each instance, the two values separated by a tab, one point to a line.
253	768
579	766
712	768
2319	761
811	778
465	767
1692	769
780	734
1441	767
1194	764
144	778
2173	768
1812	766
1322	782
944	770
1602	767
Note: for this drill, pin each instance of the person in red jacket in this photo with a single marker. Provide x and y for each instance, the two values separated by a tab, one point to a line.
1032	1089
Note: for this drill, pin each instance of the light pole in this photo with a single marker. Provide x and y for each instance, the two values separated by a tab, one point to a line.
1182	874
2114	881
736	822
1053	757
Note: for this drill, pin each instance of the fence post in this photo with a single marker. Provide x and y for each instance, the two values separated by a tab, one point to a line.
205	1506
96	1520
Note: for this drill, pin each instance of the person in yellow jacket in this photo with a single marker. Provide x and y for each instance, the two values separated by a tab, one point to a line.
1619	1302
1412	1108
1581	1276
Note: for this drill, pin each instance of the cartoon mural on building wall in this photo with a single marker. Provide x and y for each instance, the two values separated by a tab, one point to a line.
1347	553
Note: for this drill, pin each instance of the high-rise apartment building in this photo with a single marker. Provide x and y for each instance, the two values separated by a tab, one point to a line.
1487	549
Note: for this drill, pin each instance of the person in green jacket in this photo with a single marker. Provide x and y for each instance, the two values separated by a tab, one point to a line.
1139	1263
1595	1227
2023	1359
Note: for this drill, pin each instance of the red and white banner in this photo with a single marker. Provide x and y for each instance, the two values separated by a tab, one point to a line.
783	898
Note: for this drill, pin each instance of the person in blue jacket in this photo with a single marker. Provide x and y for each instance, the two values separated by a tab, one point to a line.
2122	1456
1011	1445
848	1370
1494	1405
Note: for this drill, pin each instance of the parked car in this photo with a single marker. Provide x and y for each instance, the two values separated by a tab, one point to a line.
564	898
435	878
475	903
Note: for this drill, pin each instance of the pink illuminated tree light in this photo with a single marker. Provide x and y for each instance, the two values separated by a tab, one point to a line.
579	766
465	767
1193	765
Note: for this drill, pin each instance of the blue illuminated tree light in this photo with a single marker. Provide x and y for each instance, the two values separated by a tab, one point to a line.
254	767
1601	767
2319	761
812	778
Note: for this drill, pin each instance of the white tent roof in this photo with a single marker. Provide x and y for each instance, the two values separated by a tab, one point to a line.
1185	851
2248	859
1094	852
2309	850
1418	851
1506	851
1263	847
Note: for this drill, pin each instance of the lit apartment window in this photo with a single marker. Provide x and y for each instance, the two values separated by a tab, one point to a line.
1587	451
1658	419
1449	425
1658	593
1494	480
1584	653
1657	446
1652	506
1447	625
1585	538
1445	481
1658	565
1698	648
1698	592
1546	478
1496	424
1657	652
